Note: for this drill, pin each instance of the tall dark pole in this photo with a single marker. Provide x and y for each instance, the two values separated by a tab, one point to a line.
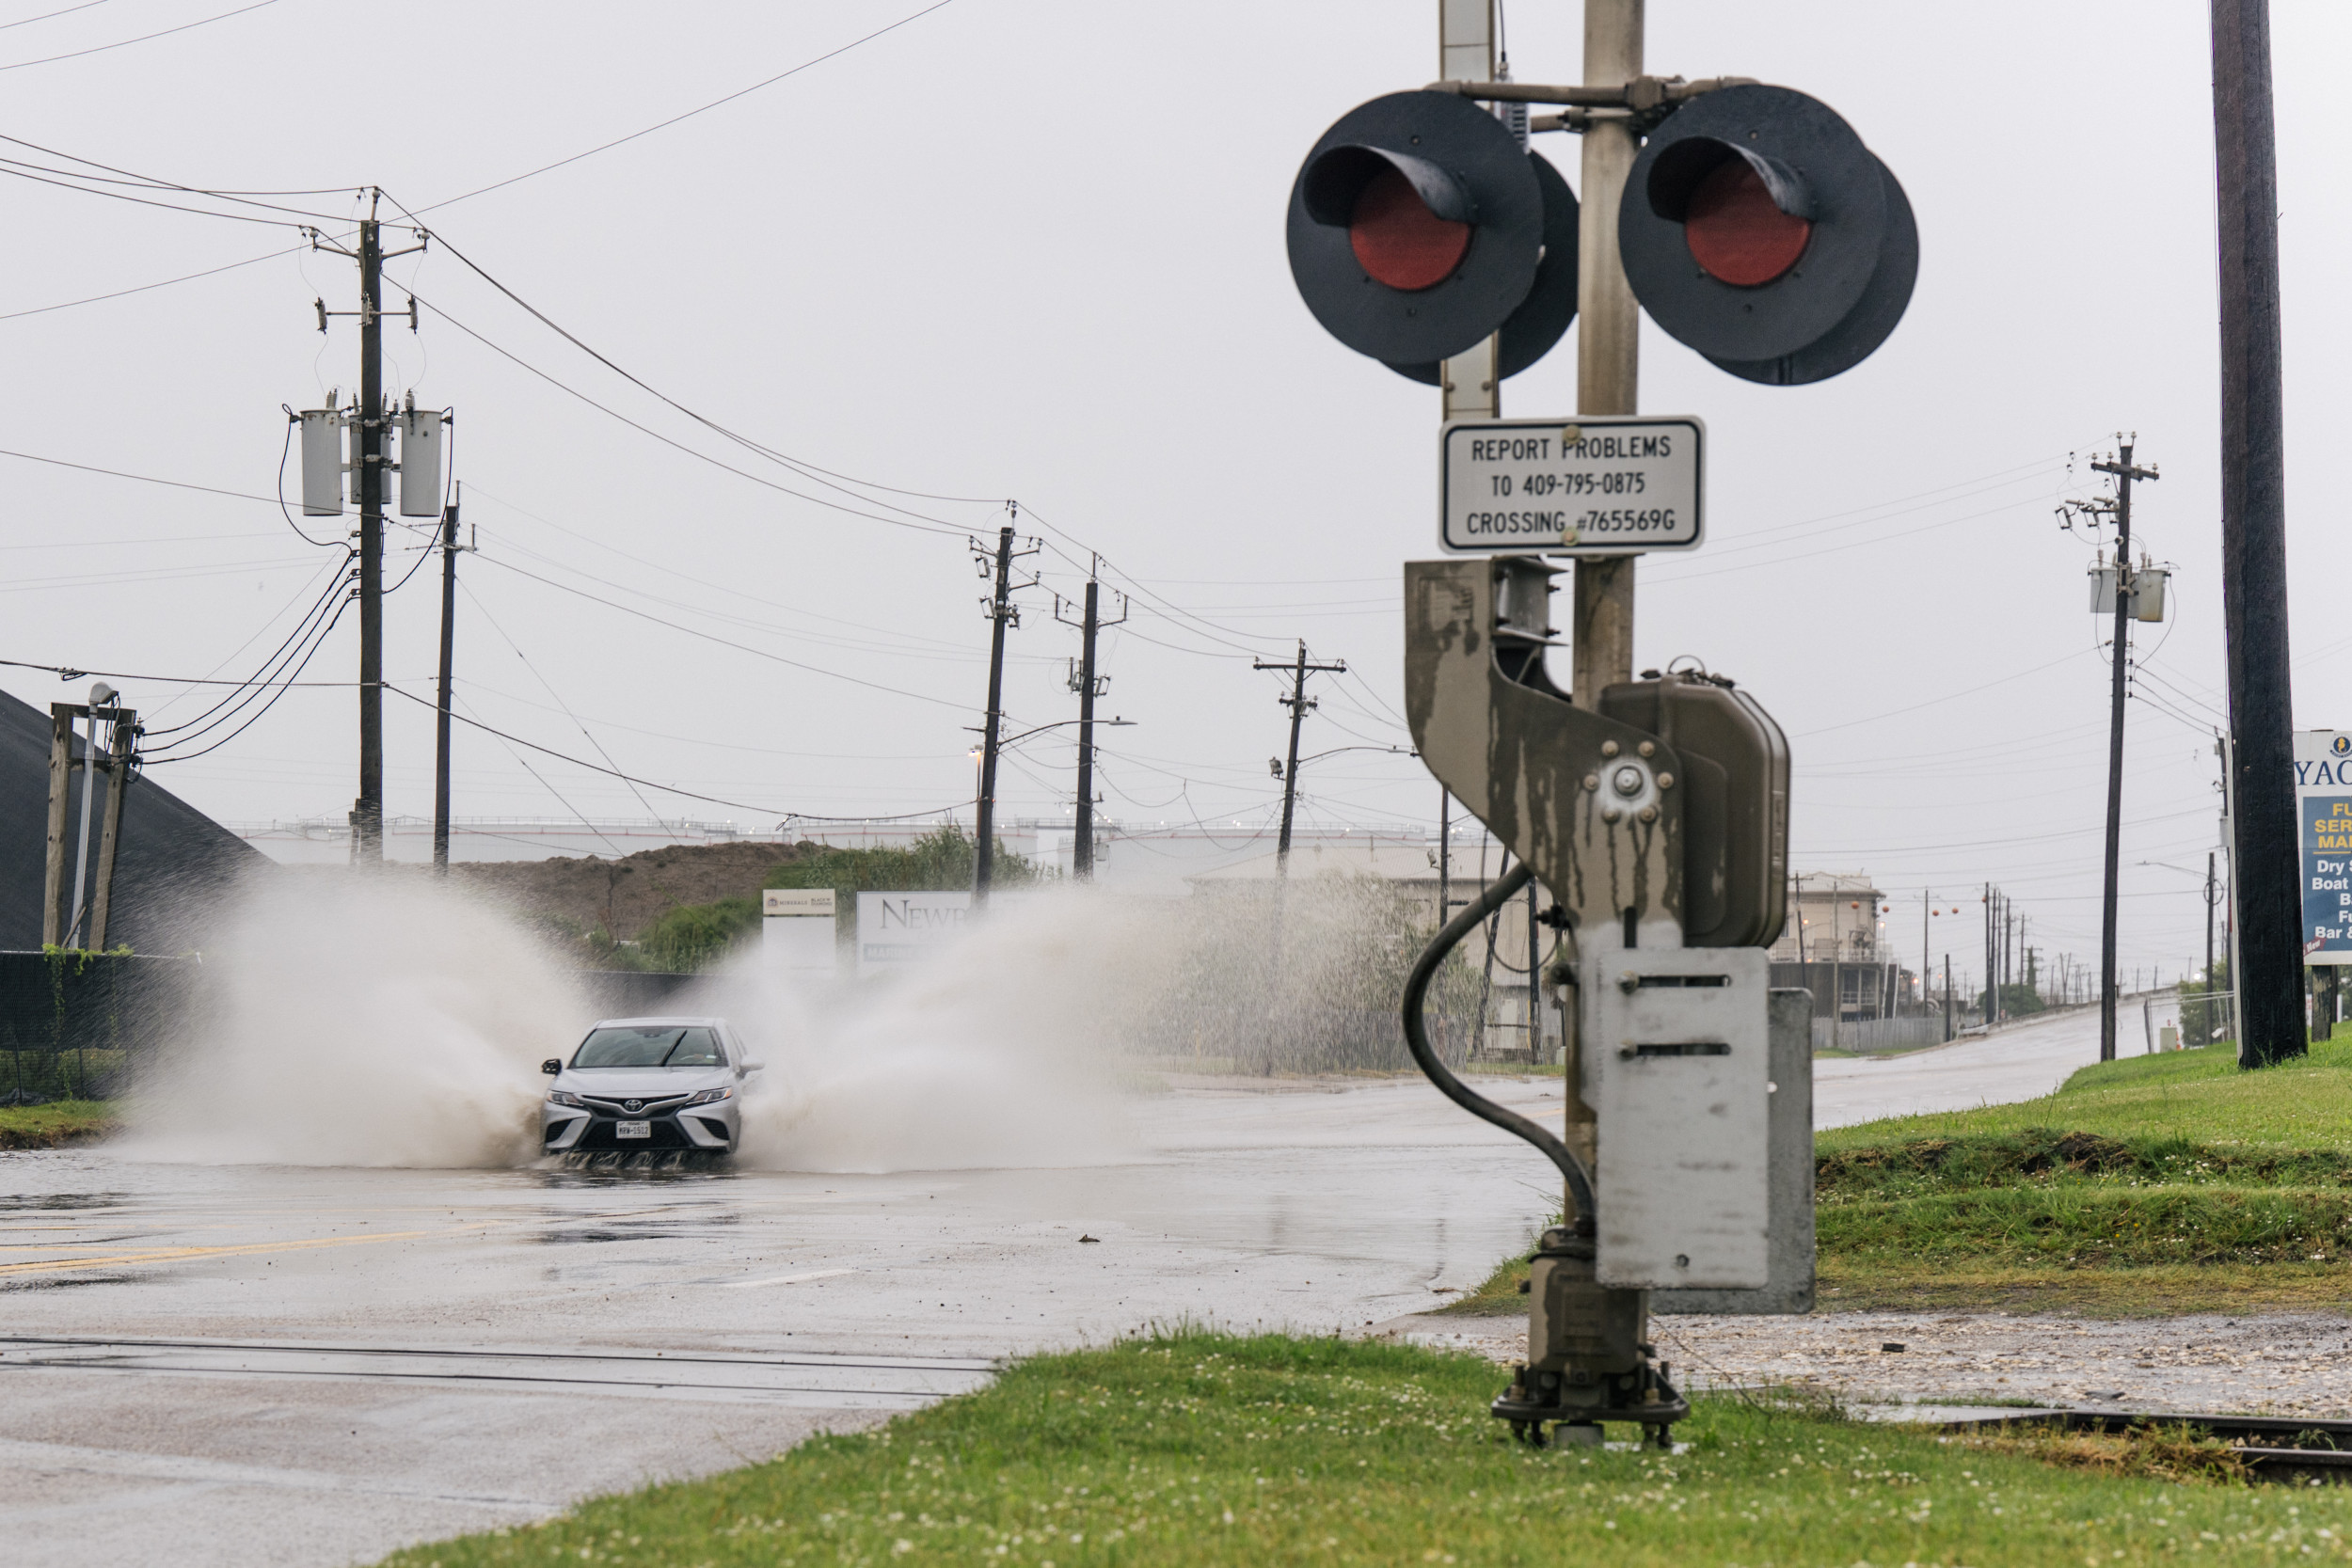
2124	471
1290	764
1298	703
2269	976
2204	1030
1445	854
1082	846
440	718
1991	981
999	611
1089	686
367	817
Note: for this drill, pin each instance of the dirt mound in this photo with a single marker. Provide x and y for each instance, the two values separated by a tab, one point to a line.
624	895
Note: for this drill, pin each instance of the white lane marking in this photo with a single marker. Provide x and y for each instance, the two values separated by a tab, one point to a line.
784	1279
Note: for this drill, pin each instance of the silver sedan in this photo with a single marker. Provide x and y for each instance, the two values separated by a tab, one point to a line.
648	1084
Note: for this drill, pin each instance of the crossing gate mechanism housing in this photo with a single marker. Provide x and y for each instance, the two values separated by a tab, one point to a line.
1659	825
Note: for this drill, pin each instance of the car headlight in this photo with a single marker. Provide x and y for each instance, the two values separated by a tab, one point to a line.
712	1097
557	1097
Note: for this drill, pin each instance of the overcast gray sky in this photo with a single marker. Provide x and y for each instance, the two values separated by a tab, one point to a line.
1035	251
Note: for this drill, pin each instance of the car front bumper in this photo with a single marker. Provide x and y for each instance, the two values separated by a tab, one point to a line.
712	1128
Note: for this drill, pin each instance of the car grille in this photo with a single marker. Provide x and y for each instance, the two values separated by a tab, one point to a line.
645	1107
666	1135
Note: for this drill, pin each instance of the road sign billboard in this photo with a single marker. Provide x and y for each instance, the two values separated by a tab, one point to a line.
2323	798
1617	485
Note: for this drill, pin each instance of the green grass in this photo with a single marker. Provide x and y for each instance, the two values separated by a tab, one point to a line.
2152	1184
2166	1184
60	1121
2199	1095
1206	1448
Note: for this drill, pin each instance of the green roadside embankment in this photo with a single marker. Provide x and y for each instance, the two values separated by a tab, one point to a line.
56	1124
1201	1448
2155	1184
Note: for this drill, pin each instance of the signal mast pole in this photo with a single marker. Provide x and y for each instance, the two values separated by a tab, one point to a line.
1608	335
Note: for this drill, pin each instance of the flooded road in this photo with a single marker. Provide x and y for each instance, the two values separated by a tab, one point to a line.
267	1364
272	1364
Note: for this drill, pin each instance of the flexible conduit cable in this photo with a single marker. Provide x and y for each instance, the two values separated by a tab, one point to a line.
1417	1040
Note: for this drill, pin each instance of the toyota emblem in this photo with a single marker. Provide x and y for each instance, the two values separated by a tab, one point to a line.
632	1106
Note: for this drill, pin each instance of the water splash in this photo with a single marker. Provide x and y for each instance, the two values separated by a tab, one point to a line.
387	1019
351	1019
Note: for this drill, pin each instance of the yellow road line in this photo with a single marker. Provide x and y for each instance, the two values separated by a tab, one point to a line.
170	1255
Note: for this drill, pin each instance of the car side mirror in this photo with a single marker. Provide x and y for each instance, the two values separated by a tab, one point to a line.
552	1066
754	1067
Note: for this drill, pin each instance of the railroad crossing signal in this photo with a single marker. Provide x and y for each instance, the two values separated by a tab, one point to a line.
1417	227
1756	227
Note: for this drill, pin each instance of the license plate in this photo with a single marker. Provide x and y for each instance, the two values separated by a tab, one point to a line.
632	1129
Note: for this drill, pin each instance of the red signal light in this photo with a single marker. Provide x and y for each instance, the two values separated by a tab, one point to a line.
1736	231
1398	241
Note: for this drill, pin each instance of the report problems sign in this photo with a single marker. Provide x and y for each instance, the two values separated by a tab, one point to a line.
1573	487
2323	798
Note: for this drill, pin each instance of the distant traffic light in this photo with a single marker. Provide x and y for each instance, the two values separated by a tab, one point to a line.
1758	229
1417	227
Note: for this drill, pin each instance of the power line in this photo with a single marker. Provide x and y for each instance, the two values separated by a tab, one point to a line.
143	37
716	103
143	288
649	784
47	16
724	642
143	479
300	632
543	680
278	696
929	525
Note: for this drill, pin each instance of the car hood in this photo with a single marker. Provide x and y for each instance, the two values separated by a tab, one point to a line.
641	1083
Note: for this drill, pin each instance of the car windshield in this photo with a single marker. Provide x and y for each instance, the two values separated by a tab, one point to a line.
655	1045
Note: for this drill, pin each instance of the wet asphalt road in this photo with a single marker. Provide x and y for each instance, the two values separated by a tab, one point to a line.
262	1365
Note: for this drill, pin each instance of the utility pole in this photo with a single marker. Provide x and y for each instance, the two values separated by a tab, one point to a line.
2126	471
1445	855
1991	987
1298	703
367	460
370	417
1089	686
1926	914
1000	610
2213	897
2263	869
448	643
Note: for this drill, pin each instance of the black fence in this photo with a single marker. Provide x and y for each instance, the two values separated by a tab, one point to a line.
77	1026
